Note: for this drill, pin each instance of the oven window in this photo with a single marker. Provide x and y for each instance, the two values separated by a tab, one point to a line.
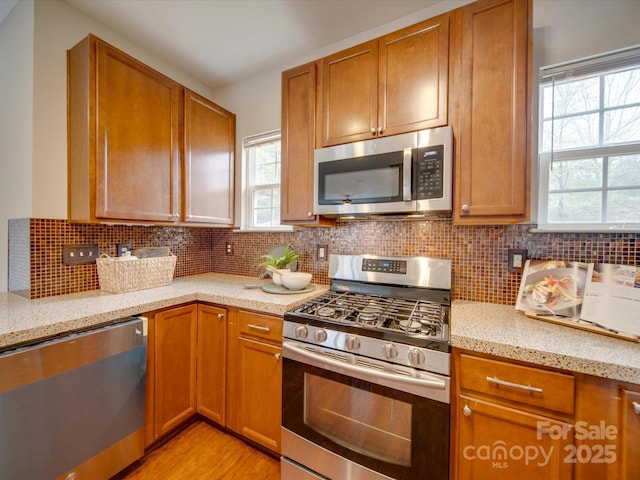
369	423
359	185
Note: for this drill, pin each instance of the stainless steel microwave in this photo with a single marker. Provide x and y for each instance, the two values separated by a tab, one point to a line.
409	173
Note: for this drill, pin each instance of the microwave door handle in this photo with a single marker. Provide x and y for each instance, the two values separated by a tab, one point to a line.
406	174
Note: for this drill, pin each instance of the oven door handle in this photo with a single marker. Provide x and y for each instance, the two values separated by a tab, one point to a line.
319	360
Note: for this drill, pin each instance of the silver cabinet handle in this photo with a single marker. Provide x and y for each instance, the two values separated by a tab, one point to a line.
276	356
221	315
309	214
636	407
465	208
466	410
259	328
379	130
372	130
504	383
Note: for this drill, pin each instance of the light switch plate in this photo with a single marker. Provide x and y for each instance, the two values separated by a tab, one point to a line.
77	254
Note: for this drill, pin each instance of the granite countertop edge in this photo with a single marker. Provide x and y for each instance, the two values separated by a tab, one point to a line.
502	331
24	321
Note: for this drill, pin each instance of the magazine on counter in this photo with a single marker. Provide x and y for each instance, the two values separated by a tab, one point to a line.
552	288
612	297
602	295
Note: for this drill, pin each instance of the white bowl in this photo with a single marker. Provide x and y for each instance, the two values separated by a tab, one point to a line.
296	280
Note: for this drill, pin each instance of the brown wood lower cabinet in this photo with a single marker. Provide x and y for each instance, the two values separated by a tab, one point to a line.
515	420
496	441
171	375
255	374
219	362
212	363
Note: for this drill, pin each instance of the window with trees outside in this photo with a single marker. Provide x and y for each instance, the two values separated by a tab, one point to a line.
589	143
261	156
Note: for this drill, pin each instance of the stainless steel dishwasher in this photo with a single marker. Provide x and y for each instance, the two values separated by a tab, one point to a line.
73	407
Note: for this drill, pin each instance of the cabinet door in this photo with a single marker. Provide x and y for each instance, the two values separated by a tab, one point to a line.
212	363
175	367
497	442
259	392
297	144
137	157
349	95
414	75
492	129
209	152
630	435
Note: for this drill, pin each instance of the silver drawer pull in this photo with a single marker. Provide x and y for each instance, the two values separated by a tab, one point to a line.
258	327
636	407
504	383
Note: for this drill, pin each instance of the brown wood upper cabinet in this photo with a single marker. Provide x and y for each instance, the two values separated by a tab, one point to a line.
126	153
297	145
209	146
395	84
491	108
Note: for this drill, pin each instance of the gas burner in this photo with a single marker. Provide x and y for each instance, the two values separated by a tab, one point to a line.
410	325
369	314
326	312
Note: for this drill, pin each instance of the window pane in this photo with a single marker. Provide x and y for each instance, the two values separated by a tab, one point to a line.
575	97
276	198
622	125
571	132
624	171
570	174
262	217
622	88
262	199
266	173
575	207
622	206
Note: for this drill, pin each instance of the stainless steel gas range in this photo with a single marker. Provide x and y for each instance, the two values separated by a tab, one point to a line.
366	373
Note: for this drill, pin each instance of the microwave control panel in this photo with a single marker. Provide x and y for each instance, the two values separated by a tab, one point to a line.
429	173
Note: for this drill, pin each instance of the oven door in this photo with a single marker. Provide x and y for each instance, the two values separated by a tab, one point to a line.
346	417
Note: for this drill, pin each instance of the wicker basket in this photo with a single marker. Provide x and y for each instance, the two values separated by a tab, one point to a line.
119	276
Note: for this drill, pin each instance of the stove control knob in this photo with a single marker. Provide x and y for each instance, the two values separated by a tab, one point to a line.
301	331
416	357
390	351
352	343
320	335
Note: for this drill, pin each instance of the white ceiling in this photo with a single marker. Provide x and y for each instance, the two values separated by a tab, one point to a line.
221	41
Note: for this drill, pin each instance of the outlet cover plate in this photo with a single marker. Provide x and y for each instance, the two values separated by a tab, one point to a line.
517	259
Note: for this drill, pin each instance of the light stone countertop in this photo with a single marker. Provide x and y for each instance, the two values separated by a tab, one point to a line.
500	330
23	320
487	328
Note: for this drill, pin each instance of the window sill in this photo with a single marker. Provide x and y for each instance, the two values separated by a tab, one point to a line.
584	229
284	229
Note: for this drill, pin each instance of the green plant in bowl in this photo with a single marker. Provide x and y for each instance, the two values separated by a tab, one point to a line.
288	257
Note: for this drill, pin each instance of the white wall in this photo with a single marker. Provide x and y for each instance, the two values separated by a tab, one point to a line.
16	118
35	36
34	39
563	30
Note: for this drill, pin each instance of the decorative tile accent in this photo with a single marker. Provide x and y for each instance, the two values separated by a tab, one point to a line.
478	253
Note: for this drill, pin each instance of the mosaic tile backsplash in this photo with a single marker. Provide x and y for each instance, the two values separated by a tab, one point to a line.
478	253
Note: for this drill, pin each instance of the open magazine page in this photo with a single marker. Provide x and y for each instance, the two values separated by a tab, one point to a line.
612	297
552	288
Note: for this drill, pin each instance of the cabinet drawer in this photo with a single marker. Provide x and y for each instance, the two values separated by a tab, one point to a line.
527	385
261	326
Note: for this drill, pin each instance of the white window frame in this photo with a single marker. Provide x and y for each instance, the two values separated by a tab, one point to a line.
595	65
248	186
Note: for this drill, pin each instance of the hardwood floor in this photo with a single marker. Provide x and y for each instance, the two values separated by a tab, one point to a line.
202	452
